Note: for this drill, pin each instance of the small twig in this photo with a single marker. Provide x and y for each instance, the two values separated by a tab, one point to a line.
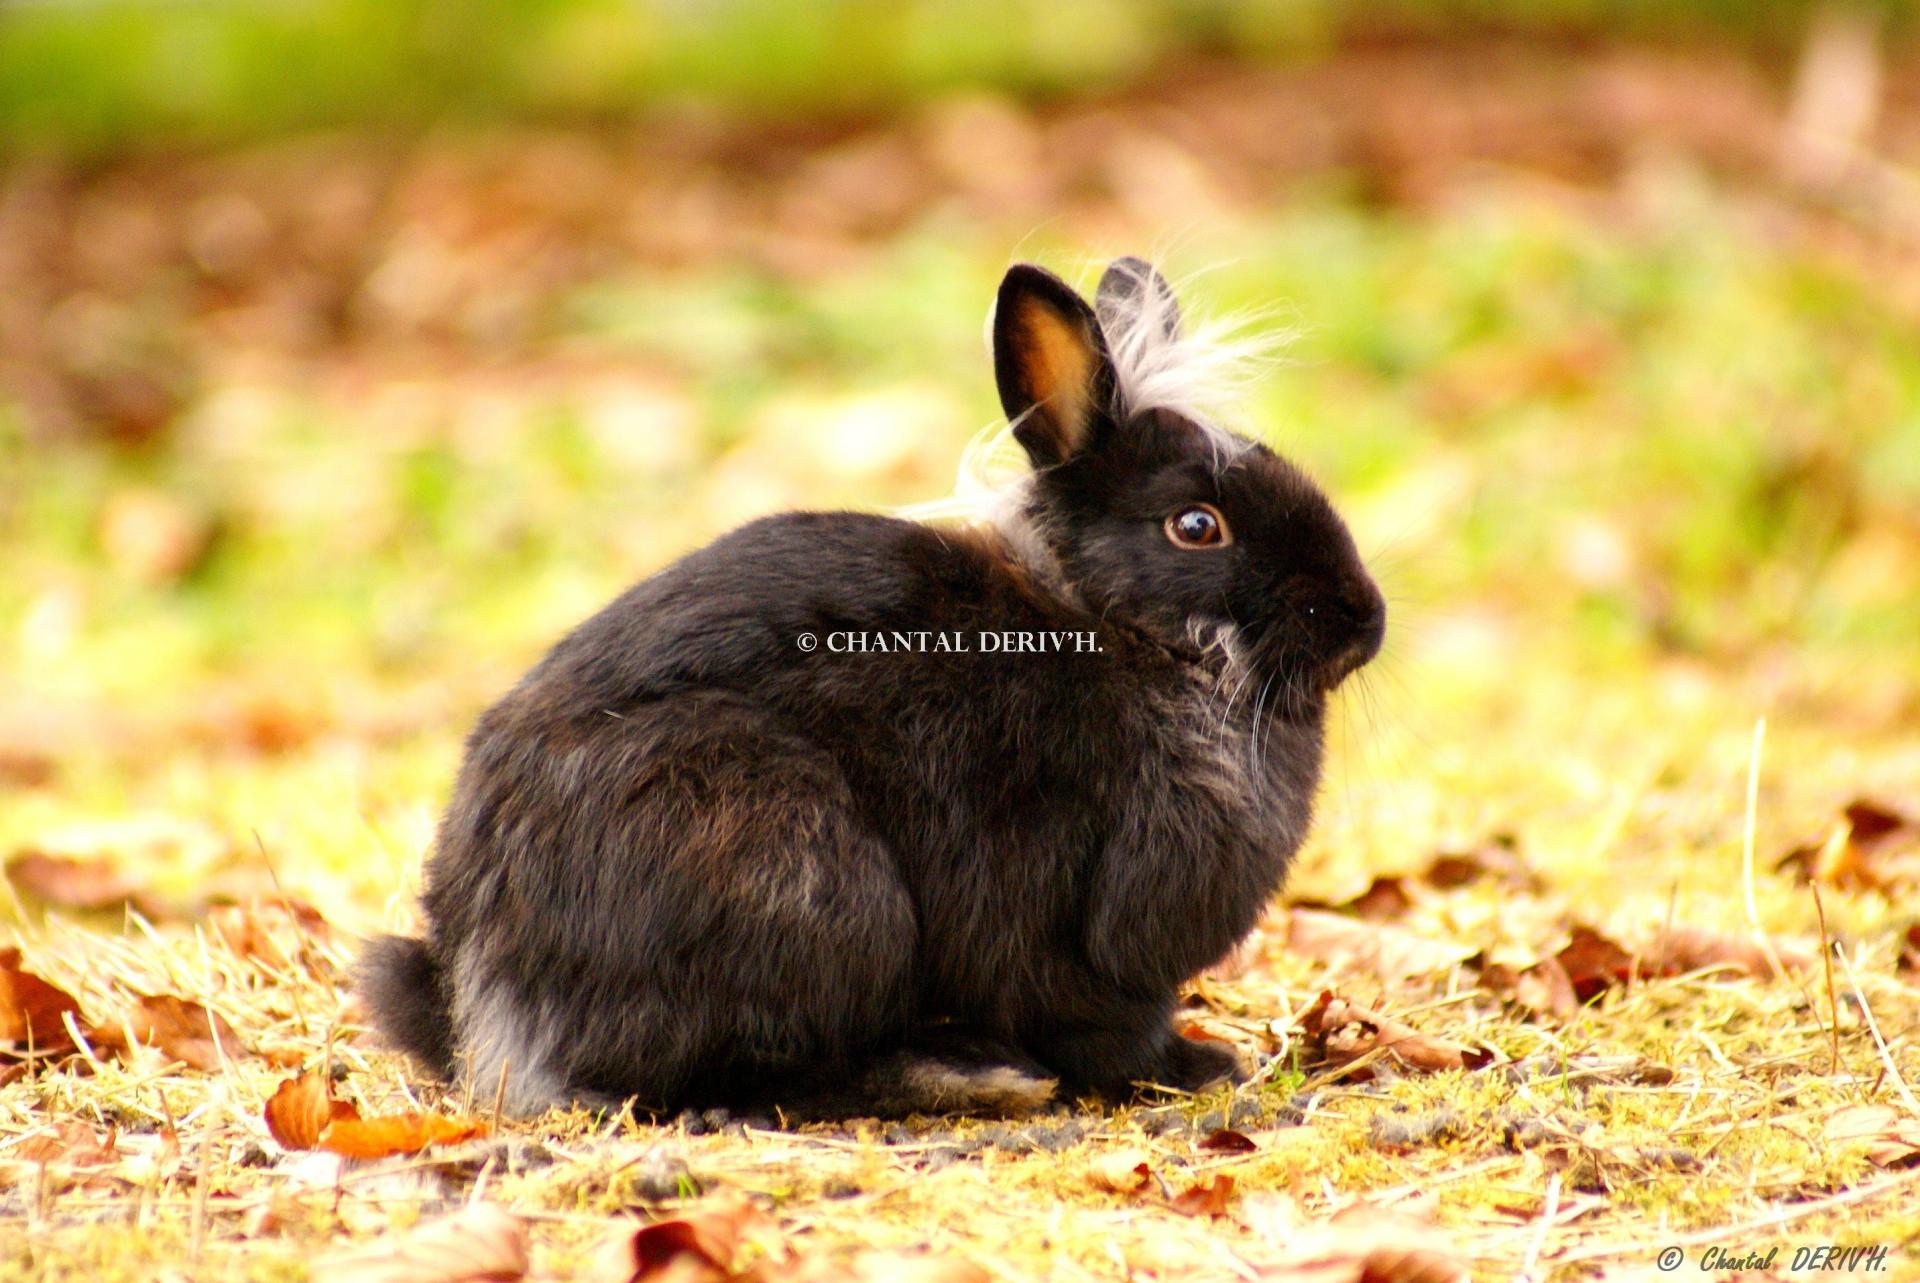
299	927
500	1092
1747	844
1879	1043
1826	958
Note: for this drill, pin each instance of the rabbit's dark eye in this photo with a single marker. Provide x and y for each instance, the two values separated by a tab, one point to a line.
1198	526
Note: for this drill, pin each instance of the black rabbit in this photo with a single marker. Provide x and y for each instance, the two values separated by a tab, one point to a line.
862	815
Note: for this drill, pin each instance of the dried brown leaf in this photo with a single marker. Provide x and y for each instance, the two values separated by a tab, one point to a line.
386	1135
1208	1199
1908	963
72	1142
1384	899
302	1114
71	882
1195	1032
1497	858
73	1149
31	1010
300	1110
1347	944
1342	1031
1361	1243
1594	963
1228	1141
188	1031
1682	948
480	1243
1411	1265
1543	988
274	933
692	1248
1892	1138
1871	847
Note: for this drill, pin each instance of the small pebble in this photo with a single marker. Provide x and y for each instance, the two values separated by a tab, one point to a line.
1420	1129
943	1157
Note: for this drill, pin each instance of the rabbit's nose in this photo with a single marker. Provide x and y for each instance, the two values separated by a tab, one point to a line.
1368	611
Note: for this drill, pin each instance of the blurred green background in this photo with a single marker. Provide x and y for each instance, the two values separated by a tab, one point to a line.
352	351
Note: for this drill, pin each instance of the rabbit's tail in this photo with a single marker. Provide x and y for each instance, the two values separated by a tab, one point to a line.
400	980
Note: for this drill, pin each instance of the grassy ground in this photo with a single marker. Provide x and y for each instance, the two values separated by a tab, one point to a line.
1636	450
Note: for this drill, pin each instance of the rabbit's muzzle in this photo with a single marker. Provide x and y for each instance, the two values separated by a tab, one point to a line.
1363	621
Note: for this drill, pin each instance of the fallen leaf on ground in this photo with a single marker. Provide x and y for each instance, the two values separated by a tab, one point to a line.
1543	988
1348	944
480	1243
1361	1243
382	1137
1342	1031
80	1156
1871	847
1681	948
1385	898
1892	1138
695	1247
1497	858
71	882
1908	964
302	1114
300	1109
1124	1171
882	1267
1194	1032
190	1032
1209	1199
1594	963
72	1142
275	933
1227	1141
31	1010
25	768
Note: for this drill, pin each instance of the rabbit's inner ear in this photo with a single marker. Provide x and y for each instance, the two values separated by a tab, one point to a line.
1050	362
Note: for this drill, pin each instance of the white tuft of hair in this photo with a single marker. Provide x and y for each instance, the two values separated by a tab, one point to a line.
1196	367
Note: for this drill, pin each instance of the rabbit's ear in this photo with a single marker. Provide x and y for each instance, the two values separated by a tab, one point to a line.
1050	362
1135	298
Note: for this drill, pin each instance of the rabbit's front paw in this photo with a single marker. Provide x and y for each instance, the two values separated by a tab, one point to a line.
1191	1065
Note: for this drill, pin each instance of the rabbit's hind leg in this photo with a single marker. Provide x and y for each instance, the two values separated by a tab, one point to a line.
724	921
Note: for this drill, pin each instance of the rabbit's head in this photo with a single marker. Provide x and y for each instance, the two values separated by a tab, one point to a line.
1154	514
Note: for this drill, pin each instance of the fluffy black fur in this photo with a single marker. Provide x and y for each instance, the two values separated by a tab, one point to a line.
688	862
